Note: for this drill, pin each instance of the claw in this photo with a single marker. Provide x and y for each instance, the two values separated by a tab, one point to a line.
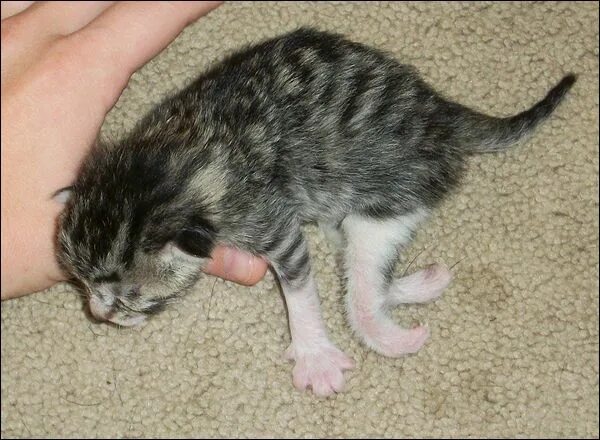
322	371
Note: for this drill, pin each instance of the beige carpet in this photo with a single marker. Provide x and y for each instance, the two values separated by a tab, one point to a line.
514	345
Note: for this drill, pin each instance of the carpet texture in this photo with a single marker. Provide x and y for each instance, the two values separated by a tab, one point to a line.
514	339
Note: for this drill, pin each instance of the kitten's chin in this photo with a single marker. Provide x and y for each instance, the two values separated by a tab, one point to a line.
134	321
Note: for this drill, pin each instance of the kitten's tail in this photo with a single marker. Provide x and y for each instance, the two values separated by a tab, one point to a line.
485	134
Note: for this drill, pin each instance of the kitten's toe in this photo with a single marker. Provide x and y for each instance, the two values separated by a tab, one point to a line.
321	370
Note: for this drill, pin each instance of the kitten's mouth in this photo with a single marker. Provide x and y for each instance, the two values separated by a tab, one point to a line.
102	312
122	321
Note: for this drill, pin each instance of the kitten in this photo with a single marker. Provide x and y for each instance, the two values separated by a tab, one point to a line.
306	127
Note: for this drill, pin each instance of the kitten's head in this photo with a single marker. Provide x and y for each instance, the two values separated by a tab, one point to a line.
132	241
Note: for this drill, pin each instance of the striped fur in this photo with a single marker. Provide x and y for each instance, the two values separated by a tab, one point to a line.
306	127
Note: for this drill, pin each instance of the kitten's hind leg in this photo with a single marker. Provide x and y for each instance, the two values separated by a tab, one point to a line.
371	254
319	363
419	287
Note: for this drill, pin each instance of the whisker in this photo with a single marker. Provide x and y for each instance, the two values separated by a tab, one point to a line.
413	260
457	263
127	307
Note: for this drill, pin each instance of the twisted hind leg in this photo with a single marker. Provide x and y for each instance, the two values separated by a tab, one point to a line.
371	253
420	287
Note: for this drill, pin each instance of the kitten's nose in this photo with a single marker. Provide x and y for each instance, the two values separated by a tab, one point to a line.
100	310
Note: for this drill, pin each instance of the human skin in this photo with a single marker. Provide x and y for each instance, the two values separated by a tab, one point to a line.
64	66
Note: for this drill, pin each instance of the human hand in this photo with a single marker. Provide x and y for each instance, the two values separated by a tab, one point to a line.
64	66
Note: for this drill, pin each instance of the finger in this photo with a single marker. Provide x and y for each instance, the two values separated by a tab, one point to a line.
236	266
132	33
62	18
26	36
9	9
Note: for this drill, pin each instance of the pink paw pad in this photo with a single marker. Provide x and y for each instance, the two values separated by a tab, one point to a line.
322	371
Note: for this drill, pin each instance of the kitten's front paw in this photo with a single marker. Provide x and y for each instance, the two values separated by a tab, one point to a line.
321	370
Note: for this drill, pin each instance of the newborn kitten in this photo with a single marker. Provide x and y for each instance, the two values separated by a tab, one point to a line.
306	127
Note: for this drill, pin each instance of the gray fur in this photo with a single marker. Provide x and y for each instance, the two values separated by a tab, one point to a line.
306	127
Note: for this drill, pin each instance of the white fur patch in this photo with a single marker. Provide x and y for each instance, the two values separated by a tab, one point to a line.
372	244
319	363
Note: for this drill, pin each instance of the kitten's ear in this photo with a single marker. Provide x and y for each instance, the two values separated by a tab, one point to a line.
62	196
197	239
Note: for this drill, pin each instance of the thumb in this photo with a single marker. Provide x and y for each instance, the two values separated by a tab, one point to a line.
237	266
